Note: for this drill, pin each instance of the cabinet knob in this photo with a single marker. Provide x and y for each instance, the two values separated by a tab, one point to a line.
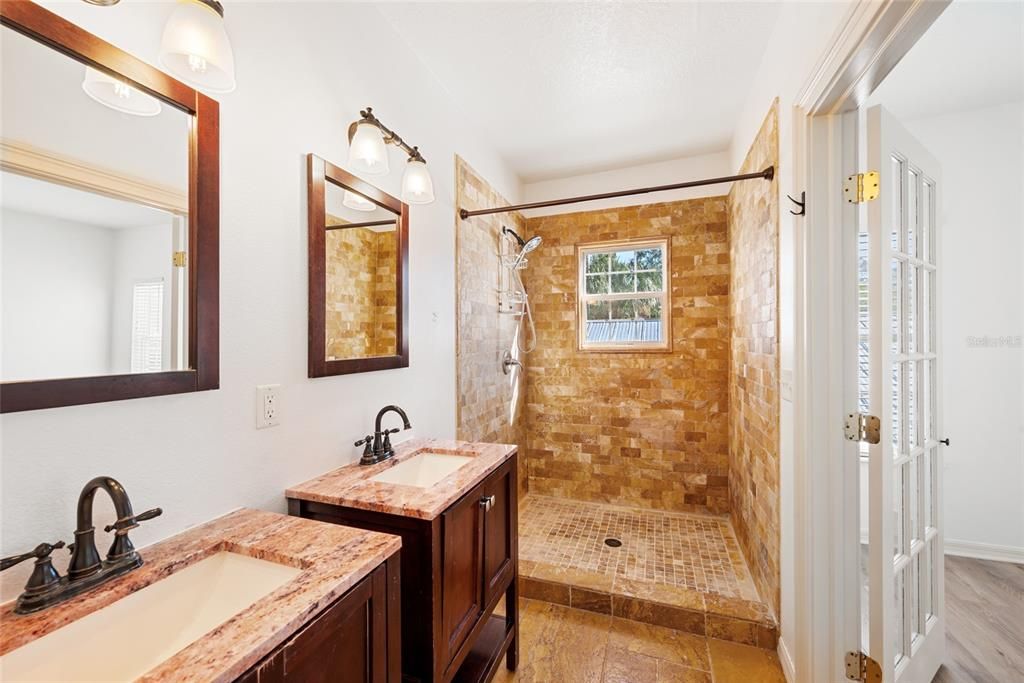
487	502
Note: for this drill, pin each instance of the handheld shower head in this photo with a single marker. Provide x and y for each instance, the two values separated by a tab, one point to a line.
530	245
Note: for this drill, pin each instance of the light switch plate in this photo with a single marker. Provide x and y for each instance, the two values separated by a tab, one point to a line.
786	385
268	409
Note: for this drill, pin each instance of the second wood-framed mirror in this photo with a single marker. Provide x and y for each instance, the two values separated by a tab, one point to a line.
358	274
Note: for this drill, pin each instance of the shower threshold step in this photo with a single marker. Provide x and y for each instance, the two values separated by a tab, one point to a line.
565	558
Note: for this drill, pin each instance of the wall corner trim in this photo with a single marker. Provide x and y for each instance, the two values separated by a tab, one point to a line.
786	659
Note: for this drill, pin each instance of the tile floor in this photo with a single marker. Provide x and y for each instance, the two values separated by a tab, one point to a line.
693	551
564	645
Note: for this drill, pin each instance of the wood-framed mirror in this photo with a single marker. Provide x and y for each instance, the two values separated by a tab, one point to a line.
358	274
110	227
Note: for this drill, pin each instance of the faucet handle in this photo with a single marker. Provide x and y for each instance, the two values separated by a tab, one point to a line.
128	523
364	441
40	552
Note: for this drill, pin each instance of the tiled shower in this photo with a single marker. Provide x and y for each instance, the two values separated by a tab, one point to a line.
650	479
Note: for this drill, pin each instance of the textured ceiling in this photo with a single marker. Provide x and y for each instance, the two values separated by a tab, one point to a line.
566	88
971	57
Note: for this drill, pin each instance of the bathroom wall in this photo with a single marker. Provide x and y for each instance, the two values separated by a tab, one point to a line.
57	279
302	77
361	293
754	363
644	429
490	403
667	172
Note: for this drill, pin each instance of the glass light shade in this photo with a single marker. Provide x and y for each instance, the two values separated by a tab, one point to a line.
367	152
357	202
417	186
118	95
196	49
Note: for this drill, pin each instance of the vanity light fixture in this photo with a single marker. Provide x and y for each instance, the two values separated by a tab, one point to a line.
366	149
417	186
118	95
368	139
195	46
357	202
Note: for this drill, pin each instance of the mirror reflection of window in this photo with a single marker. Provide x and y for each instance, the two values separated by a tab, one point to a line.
361	251
93	205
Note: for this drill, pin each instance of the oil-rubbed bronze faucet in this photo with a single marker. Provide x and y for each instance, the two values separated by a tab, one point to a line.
377	446
47	587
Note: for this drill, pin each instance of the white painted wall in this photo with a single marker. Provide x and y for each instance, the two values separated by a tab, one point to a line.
142	253
801	36
646	175
56	285
303	74
981	153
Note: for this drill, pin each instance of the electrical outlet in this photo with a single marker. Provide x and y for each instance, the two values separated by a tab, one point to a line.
268	409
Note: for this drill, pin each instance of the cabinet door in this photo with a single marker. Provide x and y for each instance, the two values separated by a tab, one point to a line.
461	594
345	644
499	549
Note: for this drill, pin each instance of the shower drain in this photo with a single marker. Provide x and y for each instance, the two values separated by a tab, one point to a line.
612	542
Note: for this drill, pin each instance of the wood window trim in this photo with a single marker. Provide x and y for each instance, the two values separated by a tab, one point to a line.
662	241
319	172
58	33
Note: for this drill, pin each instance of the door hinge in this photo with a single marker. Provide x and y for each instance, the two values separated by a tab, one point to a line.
862	427
860	667
179	259
861	187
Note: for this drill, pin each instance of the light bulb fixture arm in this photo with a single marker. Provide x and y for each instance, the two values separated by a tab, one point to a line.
390	136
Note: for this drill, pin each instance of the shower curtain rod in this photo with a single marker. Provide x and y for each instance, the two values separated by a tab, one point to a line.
767	174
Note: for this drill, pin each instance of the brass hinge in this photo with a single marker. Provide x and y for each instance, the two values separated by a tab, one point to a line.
179	259
862	427
861	187
860	667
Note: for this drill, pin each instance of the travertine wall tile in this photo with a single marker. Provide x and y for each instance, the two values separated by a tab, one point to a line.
754	366
361	292
643	429
489	401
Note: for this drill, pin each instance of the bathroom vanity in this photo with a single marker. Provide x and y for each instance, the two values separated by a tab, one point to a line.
252	596
454	504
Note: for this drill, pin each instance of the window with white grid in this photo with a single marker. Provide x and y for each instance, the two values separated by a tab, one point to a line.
624	295
147	326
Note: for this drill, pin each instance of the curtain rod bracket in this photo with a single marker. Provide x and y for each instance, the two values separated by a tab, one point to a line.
766	174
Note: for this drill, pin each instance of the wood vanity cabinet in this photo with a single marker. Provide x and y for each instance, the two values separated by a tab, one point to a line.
356	639
455	570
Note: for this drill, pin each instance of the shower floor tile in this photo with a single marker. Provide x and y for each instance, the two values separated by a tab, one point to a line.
686	551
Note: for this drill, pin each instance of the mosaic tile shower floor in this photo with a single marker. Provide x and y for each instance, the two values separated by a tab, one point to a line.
683	550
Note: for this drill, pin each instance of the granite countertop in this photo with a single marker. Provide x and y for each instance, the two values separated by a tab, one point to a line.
350	486
332	558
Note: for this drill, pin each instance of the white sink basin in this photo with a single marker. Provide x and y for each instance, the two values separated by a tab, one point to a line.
129	637
423	470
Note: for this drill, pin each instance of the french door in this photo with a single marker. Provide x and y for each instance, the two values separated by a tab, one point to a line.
905	625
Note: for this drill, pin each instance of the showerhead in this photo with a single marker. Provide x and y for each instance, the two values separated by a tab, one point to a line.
530	245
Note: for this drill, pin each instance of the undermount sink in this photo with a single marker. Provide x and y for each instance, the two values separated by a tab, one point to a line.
423	470
127	638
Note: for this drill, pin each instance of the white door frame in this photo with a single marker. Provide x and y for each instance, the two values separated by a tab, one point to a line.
873	38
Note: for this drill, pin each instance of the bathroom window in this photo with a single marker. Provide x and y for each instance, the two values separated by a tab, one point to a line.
624	302
147	326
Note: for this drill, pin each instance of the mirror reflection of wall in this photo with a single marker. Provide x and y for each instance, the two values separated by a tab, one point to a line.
93	209
361	270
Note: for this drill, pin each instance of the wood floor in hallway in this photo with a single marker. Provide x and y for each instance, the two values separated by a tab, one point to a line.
564	645
984	622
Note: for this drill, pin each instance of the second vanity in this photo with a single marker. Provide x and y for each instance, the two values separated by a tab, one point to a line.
454	506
